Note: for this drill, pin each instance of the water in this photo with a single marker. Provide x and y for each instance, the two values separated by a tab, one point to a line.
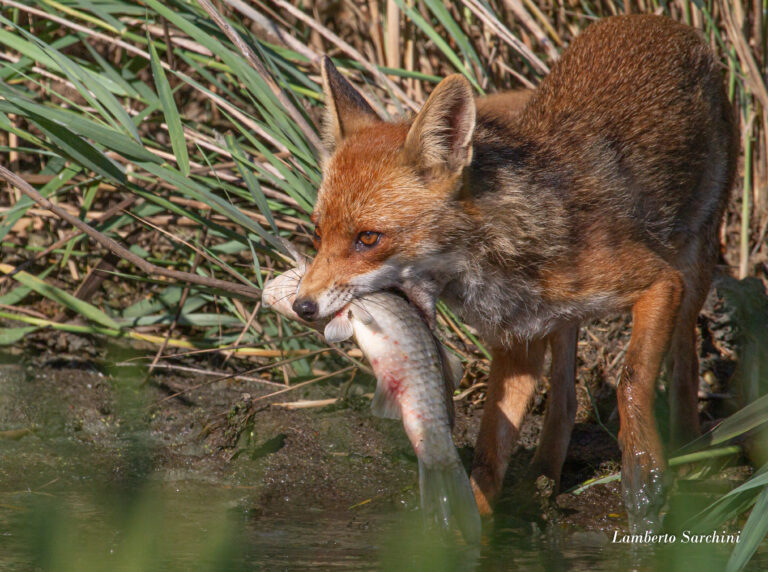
95	521
191	526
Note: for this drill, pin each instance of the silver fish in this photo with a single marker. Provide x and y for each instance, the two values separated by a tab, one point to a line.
415	381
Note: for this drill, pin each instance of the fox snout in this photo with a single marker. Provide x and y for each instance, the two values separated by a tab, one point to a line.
333	281
306	308
320	293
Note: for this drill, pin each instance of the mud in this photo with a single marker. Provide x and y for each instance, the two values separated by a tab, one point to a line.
329	456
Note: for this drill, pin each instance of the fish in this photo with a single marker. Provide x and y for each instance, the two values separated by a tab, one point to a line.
415	380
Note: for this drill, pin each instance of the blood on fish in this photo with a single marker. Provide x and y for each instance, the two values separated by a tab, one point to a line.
394	384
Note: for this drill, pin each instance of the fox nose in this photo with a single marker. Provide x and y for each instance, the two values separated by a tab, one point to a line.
306	308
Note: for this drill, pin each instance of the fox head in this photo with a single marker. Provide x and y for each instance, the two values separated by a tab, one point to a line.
388	190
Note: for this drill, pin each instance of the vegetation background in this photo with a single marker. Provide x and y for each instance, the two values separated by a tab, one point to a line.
195	148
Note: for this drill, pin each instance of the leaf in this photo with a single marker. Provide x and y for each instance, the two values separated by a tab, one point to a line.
752	534
759	479
454	31
168	301
192	188
251	181
10	336
439	41
97	89
745	419
171	112
77	148
20	208
92	87
198	319
60	296
731	504
106	136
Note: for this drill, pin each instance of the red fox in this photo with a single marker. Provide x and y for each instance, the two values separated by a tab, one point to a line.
604	193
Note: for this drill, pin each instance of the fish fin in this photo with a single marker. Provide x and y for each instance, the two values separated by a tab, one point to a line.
448	500
384	404
339	328
360	312
453	369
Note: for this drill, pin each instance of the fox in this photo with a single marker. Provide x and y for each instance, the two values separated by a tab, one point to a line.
602	191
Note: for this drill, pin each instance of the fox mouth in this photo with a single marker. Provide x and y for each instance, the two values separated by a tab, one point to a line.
422	301
403	295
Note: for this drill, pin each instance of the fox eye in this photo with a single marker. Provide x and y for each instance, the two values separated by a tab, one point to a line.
367	239
316	236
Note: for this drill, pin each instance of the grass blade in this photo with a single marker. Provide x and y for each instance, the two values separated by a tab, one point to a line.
745	419
752	534
251	181
10	336
171	113
61	297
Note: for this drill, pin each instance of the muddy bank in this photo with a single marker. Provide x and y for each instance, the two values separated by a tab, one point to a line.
64	418
329	486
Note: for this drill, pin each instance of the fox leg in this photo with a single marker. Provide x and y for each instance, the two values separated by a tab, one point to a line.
684	378
683	360
511	385
561	406
642	465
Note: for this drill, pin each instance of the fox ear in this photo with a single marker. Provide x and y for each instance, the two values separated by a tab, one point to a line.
440	138
346	110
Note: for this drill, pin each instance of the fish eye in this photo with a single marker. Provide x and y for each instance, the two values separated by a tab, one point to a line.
367	239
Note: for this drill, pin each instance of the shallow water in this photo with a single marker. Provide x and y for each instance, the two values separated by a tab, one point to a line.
194	526
93	521
101	484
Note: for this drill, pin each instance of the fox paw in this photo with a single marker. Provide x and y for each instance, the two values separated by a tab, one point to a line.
643	490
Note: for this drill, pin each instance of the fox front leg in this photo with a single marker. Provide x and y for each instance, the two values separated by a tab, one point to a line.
512	382
561	407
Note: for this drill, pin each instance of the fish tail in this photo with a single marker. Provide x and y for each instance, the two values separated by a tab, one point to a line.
447	498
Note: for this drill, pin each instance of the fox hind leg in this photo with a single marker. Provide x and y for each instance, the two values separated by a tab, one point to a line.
561	406
683	360
684	383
